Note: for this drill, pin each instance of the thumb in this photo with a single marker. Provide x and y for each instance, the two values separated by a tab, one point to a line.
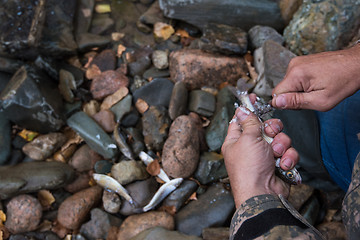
295	100
249	122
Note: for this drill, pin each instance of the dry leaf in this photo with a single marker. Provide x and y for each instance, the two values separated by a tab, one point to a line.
163	31
93	71
141	106
114	98
2	217
28	135
169	209
153	168
121	48
191	198
46	198
182	33
248	60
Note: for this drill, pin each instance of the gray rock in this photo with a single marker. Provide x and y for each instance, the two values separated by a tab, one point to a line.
153	15
271	61
84	16
32	101
87	41
128	171
260	34
156	93
103	167
160	59
122	107
33	176
9	65
216	131
130	119
212	209
47	235
111	202
202	103
137	143
93	134
322	26
179	100
153	73
156	233
178	197
211	168
101	23
5	139
139	66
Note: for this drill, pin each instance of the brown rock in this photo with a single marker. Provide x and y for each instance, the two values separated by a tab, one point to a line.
23	214
107	83
80	183
84	159
180	154
197	68
106	60
106	119
135	224
288	8
75	209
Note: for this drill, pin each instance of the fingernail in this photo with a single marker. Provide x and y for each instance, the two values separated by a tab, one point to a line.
278	148
280	101
275	127
243	113
287	163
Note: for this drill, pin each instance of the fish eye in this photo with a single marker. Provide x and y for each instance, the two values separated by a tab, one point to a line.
289	174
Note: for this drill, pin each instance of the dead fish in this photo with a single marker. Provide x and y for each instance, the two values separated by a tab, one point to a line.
162	193
121	142
110	183
147	160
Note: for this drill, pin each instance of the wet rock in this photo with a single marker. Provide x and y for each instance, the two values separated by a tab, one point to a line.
199	13
66	85
160	59
220	233
101	23
107	83
106	60
135	224
162	233
137	145
93	134
141	192
80	183
44	146
202	103
111	202
153	72
87	41
299	194
130	119
36	97
212	209
156	123
197	68
75	209
5	139
224	39
33	176
84	159
178	101
103	167
105	118
260	34
47	235
271	61
99	225
153	15
9	65
211	168
23	214
128	171
320	26
178	197
288	9
180	155
156	93
333	230
122	107
84	16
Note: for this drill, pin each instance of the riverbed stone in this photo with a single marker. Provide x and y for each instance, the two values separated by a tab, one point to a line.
128	171
5	139
84	16
33	176
121	108
178	197
101	23
162	233
212	209
202	103
107	83
152	15
84	159
160	59
216	132
106	119
197	68
111	202
23	214
153	73
87	41
103	166
75	209
260	34
211	168
105	60
81	182
48	235
178	101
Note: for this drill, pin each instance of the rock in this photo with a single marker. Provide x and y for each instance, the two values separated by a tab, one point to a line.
66	85
99	225
106	60
180	155
33	176
212	209
44	146
130	119
122	107
211	168
156	93
87	41
178	197
201	12
103	167
47	235
320	26
299	194
137	144
260	34
135	224
153	72
160	59
36	97
156	123
101	23
178	100
75	209
107	83
332	230
162	233
153	15
216	233
201	102
128	171
111	202
9	65
84	16
84	159
105	118
80	183
197	68
23	214
271	61
223	39
141	192
288	8
5	139
93	134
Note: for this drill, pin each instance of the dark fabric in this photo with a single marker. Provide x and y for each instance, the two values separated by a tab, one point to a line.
264	222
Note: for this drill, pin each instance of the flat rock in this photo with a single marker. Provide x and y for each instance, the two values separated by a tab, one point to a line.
178	197
84	159
128	171
106	119
107	83
105	60
5	138
202	102
211	168
260	34
178	100
162	233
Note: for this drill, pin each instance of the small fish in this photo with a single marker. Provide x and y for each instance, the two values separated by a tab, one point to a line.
147	160
162	193
110	183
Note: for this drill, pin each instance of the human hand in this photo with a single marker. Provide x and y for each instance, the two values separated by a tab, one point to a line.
249	159
319	81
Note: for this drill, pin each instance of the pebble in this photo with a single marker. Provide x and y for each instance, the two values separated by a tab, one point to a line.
86	41
202	103
101	24
47	235
111	202
178	197
103	167
160	59
162	233
216	131
153	72
84	159
111	100
128	171
107	83
75	209
105	60
260	34
178	101
23	214
135	224
122	107
91	107
106	120
81	182
211	168
139	66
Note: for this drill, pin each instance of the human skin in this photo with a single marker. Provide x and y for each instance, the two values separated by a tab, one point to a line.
319	81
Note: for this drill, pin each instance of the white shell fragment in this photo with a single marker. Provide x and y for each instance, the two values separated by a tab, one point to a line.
110	183
147	160
162	193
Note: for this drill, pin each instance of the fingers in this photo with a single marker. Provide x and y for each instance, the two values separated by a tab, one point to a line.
281	143
250	123
289	159
273	127
312	100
